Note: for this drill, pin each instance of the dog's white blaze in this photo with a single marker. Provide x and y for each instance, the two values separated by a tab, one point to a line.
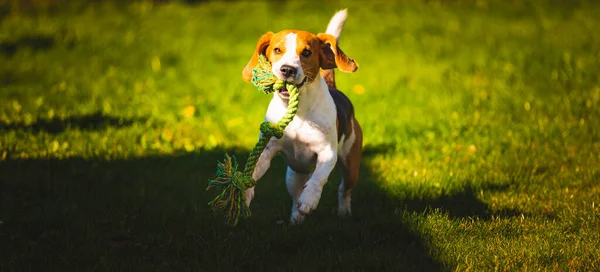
290	57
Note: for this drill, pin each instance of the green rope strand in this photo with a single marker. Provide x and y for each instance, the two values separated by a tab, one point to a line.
232	199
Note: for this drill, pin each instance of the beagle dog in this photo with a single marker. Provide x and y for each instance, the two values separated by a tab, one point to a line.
324	131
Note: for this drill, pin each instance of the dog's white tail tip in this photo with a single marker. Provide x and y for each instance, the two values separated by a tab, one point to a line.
337	23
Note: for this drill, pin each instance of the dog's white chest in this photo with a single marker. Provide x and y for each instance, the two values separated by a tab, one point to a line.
300	145
307	134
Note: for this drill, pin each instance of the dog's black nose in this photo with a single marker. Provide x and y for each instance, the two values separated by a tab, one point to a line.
288	71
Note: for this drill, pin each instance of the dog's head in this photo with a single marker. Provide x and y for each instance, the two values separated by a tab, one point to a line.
296	56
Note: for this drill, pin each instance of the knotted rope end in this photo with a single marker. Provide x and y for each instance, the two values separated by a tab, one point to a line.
232	199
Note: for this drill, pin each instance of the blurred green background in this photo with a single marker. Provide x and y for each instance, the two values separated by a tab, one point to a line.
481	122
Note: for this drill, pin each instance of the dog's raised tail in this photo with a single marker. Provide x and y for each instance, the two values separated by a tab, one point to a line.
334	28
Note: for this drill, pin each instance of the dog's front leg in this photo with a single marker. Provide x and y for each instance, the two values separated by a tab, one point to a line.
263	164
309	199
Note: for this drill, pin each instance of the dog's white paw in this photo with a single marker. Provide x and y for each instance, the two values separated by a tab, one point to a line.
309	199
344	209
296	218
249	196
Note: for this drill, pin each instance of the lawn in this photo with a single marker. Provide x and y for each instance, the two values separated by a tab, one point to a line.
481	122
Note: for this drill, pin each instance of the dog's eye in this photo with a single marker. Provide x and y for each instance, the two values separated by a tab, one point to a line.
306	53
277	50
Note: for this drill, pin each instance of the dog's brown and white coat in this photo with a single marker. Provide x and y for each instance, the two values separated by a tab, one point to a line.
324	131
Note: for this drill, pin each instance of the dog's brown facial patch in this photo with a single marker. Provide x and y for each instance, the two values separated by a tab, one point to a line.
308	49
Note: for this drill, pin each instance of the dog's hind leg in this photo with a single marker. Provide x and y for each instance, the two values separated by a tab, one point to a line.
350	164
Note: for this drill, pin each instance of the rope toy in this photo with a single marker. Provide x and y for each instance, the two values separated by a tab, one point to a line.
232	200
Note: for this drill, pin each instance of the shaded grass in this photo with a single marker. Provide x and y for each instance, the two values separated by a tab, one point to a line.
151	213
481	126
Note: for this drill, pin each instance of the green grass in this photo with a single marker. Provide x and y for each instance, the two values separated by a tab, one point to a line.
481	123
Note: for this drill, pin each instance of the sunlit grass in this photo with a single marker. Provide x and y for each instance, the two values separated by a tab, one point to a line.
481	124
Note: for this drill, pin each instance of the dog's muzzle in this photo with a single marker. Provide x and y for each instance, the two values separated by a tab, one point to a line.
283	92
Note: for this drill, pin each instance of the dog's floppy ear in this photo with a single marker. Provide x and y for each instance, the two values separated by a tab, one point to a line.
331	56
261	47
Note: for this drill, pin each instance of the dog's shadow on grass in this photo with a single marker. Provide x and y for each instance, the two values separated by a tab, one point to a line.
151	213
34	42
456	204
93	121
